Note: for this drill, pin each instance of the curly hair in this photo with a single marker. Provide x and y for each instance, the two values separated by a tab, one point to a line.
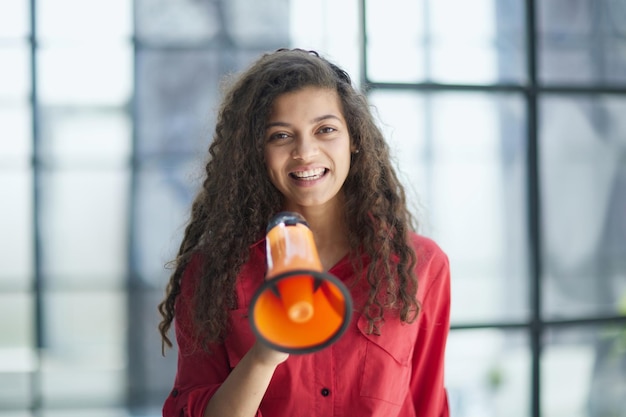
237	199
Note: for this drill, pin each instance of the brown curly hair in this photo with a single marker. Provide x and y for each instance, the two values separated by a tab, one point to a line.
237	199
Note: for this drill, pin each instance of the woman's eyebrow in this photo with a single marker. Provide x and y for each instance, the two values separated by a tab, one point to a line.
324	117
315	120
280	124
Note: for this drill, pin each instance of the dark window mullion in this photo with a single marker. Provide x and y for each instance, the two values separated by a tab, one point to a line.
364	80
37	286
534	209
135	370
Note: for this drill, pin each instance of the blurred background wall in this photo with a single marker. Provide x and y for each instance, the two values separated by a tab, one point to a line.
506	119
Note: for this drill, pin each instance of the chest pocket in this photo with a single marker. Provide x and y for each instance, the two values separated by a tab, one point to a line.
387	365
239	341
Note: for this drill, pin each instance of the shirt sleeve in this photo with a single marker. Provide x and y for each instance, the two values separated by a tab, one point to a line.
427	383
200	372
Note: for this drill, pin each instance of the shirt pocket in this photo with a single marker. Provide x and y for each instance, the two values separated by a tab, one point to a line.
387	366
239	341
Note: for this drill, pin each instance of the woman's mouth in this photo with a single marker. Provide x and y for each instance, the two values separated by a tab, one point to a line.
309	175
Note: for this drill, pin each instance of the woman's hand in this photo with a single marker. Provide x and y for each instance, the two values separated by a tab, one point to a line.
266	355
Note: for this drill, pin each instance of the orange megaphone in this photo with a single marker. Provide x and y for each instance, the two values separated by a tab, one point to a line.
299	308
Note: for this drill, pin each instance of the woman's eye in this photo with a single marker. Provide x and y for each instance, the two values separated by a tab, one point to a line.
327	129
278	136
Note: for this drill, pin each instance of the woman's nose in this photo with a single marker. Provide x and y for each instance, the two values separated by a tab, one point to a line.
305	148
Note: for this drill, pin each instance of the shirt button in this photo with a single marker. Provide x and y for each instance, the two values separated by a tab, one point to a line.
325	392
175	393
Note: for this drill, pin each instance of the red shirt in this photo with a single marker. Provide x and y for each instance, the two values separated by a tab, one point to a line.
399	373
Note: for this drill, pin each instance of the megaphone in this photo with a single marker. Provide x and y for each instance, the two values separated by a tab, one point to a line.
299	308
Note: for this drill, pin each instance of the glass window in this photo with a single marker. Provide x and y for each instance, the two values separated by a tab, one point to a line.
99	74
84	217
462	157
16	223
17	357
16	413
16	146
177	94
583	179
448	41
582	371
468	42
18	333
15	387
588	36
84	136
14	19
488	373
84	355
181	22
151	375
95	204
15	79
255	24
169	185
92	20
315	25
405	61
90	411
402	117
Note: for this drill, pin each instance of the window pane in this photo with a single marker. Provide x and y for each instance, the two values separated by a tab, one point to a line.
94	75
245	23
14	19
255	23
183	21
384	63
488	373
151	375
83	220
15	390
17	353
91	20
401	115
313	27
90	411
16	239
583	371
15	79
451	41
583	194
84	360
587	35
17	333
463	159
16	146
477	41
84	136
165	190
177	95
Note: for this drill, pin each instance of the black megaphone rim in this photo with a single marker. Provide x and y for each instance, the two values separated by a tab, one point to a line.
270	285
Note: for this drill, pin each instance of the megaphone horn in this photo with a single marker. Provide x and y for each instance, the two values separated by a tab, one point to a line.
299	308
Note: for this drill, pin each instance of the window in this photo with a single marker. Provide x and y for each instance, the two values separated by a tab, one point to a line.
503	115
505	119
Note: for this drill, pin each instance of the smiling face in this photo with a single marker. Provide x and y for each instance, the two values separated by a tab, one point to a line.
307	148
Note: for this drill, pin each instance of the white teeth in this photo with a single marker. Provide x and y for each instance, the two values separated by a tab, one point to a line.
309	175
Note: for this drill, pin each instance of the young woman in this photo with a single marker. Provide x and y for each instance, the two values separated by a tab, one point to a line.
294	135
